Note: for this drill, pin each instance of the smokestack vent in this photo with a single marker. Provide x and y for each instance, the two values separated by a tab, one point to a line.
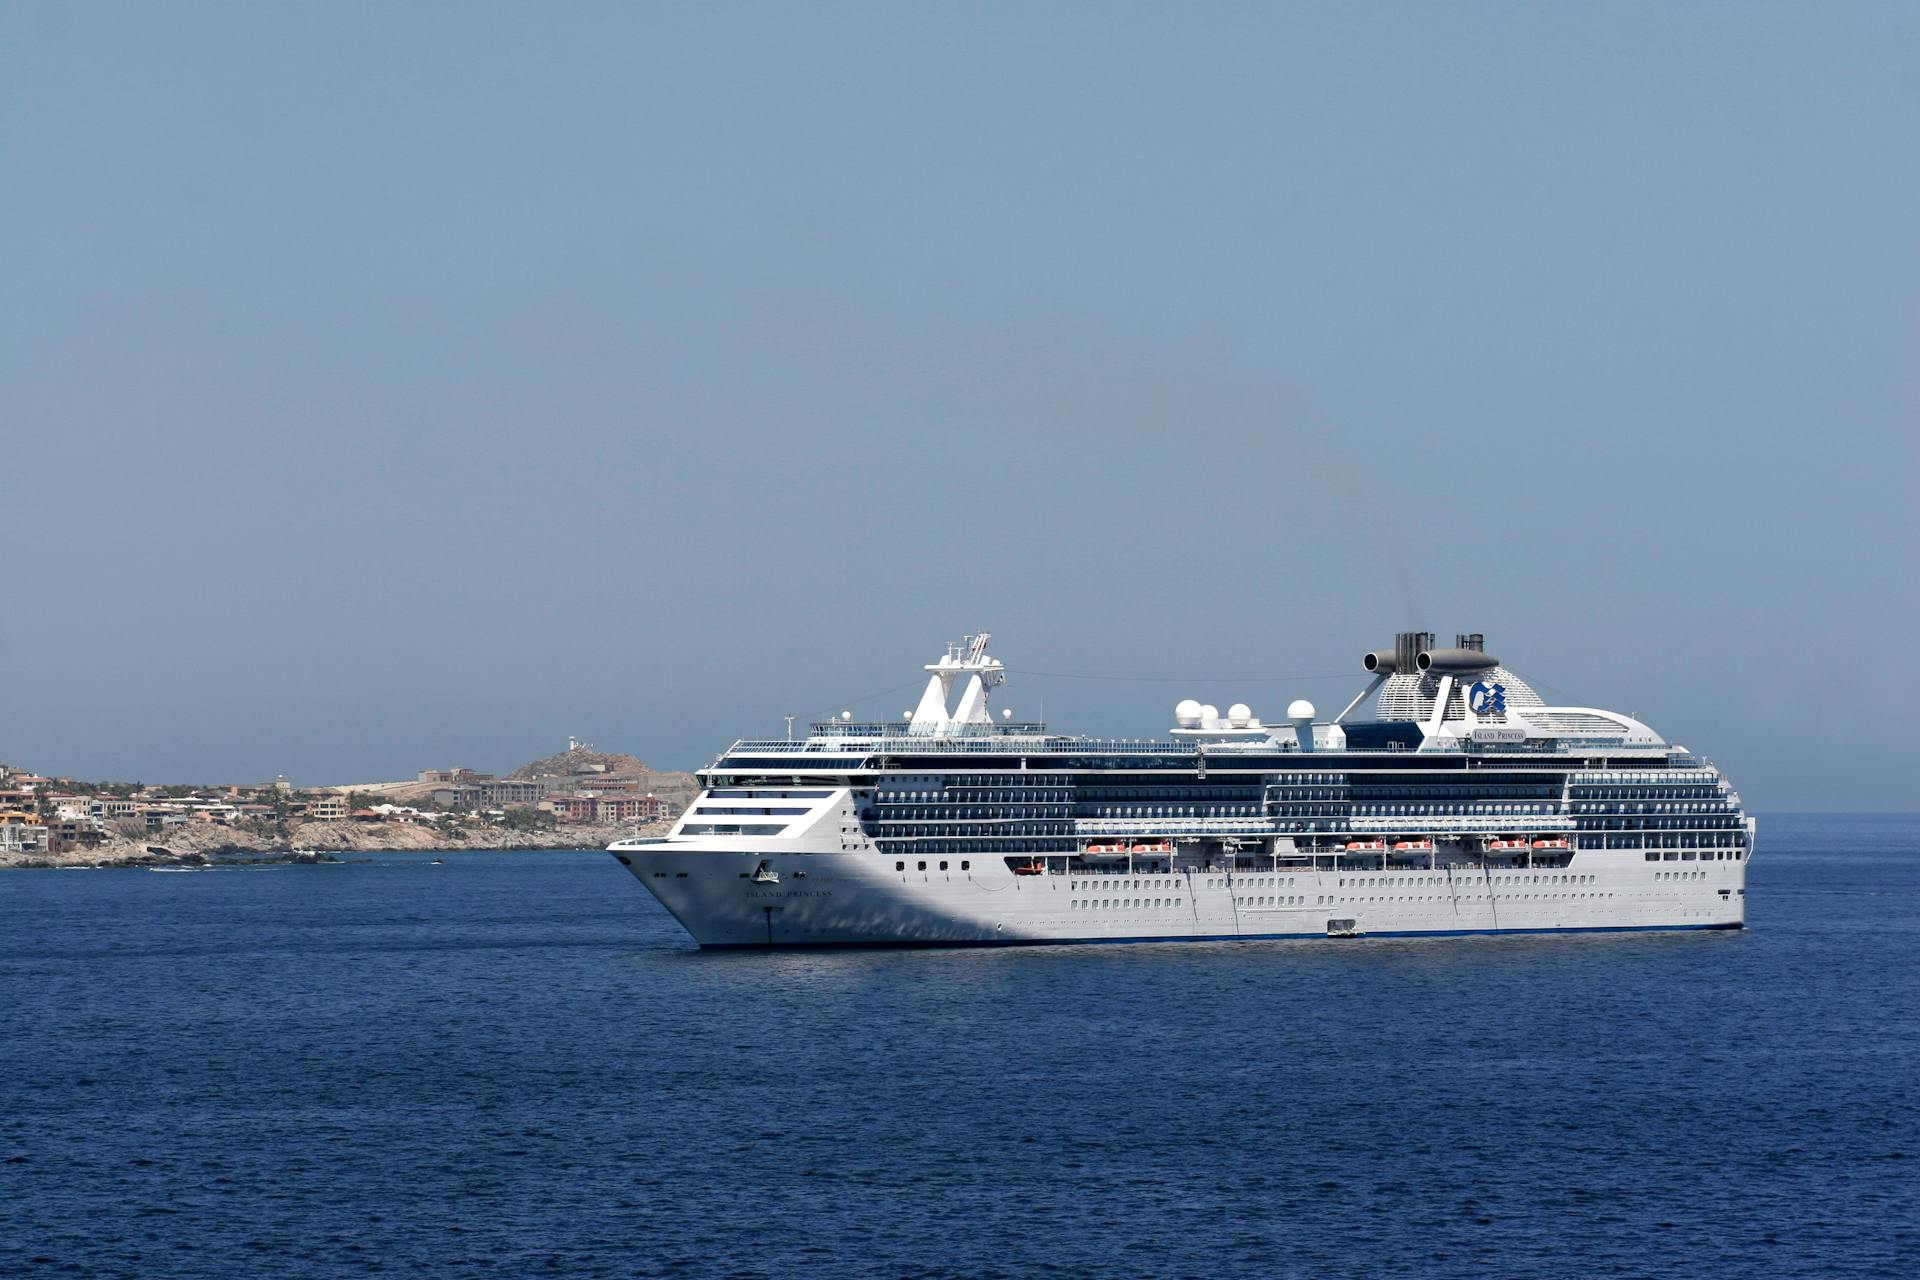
1407	647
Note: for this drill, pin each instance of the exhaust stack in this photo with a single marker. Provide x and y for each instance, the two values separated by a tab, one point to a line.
1455	661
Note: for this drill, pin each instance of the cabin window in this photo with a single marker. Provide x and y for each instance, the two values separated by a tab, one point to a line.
923	866
899	866
965	865
943	866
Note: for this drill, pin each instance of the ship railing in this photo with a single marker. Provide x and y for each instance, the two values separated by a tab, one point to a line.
1486	822
903	730
1031	739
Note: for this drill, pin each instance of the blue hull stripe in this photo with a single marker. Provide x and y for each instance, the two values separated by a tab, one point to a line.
1219	937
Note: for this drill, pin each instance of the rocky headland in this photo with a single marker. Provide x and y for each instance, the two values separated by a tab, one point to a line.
203	844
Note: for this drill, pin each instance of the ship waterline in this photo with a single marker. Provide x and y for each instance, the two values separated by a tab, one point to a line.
1465	806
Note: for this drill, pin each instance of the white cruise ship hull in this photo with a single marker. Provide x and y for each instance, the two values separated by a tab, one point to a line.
859	899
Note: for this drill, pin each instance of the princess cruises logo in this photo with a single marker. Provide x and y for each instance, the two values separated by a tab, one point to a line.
1487	699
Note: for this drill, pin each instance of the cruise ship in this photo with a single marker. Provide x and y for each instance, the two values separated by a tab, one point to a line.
1447	798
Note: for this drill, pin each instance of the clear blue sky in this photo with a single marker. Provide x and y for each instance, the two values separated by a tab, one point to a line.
385	387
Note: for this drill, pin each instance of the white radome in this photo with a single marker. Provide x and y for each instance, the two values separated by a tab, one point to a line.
1300	709
1239	714
1186	714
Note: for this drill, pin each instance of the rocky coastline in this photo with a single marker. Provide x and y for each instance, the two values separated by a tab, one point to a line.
205	844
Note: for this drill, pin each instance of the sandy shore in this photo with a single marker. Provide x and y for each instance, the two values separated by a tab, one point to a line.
198	843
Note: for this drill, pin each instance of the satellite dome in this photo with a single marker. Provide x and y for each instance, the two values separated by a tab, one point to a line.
1238	714
1300	709
1186	714
1209	716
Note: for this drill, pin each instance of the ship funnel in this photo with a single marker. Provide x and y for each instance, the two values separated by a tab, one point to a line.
1381	661
1455	661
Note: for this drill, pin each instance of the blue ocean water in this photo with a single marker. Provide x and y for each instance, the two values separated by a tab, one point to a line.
514	1064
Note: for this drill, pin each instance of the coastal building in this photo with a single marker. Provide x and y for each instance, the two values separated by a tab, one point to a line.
585	806
571	808
629	808
491	794
601	786
73	833
327	808
68	808
158	816
456	774
22	832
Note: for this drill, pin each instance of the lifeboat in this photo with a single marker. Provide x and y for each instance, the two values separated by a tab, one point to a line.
1413	846
1366	846
1029	869
1507	848
1121	849
1556	843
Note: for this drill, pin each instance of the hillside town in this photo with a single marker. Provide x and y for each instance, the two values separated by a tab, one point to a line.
576	798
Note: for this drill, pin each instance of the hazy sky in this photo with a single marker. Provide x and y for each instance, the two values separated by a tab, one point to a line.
386	387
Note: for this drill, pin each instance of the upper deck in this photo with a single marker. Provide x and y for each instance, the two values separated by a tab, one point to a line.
884	745
1445	708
